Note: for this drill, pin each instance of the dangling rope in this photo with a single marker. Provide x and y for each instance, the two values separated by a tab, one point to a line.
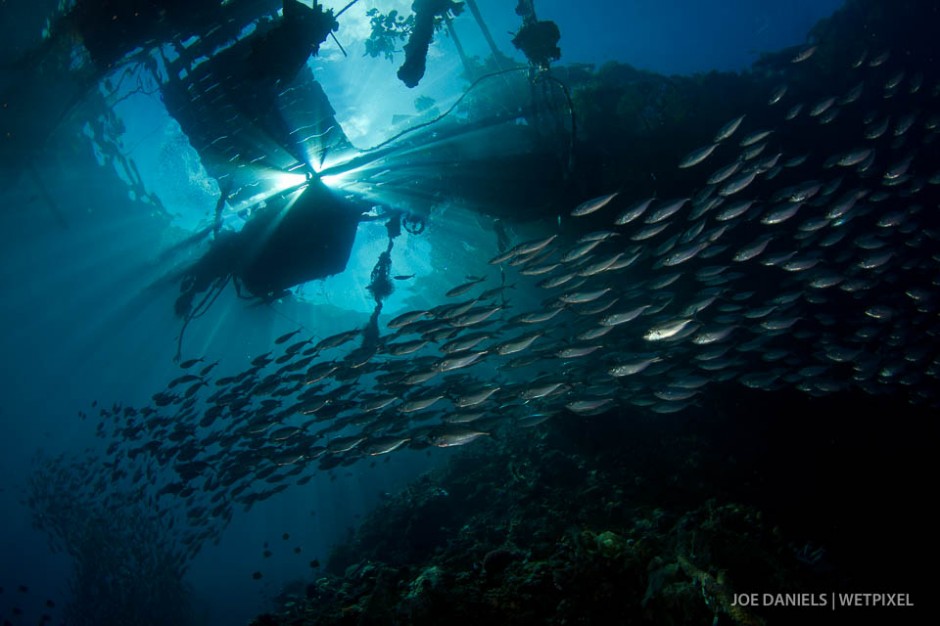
573	136
449	110
199	310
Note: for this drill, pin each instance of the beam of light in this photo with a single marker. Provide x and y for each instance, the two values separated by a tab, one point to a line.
399	175
271	182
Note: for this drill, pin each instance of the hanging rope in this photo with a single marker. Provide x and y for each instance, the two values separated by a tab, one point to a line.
199	310
449	110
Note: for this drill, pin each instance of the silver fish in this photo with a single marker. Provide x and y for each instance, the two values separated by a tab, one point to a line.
517	345
697	156
577	352
633	211
596	204
777	95
583	297
632	367
420	404
455	438
460	361
804	54
737	184
616	319
462	289
728	129
722	173
473	399
666	210
756	136
755	249
667	330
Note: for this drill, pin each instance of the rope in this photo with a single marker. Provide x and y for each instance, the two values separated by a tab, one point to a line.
450	109
200	309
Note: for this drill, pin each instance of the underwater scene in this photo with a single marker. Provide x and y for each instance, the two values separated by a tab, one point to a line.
528	312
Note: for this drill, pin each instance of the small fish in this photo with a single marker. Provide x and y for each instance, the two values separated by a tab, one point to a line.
781	214
728	129
649	232
540	269
185	378
803	54
697	156
376	404
853	158
577	352
462	289
666	210
579	251
749	252
616	319
406	319
633	211
208	368
384	445
735	210
403	276
880	59
531	247
705	338
737	184
188	364
822	106
853	94
455	438
540	391
876	130
286	336
793	111
517	345
589	406
419	404
722	173
600	235
756	136
557	281
596	204
777	95
667	330
524	248
538	317
473	399
583	297
460	361
475	316
684	254
334	341
407	347
632	367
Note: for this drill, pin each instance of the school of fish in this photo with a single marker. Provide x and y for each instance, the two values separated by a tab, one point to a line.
807	257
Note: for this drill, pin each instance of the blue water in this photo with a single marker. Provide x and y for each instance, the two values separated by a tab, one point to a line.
85	317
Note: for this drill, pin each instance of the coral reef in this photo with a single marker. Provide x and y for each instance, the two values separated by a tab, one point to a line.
577	523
